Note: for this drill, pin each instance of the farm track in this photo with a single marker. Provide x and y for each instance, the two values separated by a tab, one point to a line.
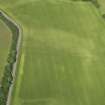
17	56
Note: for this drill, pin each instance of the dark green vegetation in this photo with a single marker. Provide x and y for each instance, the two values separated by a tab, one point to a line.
63	52
5	39
7	76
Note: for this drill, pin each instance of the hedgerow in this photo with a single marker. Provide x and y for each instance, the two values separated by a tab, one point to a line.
8	77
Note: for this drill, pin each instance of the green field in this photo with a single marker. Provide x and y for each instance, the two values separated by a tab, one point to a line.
62	61
5	38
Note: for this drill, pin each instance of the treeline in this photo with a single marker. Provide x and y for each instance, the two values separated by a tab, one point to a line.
7	77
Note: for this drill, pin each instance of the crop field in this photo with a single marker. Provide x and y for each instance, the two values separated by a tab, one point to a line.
5	39
62	60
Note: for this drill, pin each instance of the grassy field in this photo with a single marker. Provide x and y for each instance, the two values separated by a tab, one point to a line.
5	38
63	52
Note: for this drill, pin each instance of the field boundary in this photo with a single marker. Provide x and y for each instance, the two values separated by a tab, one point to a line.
18	46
